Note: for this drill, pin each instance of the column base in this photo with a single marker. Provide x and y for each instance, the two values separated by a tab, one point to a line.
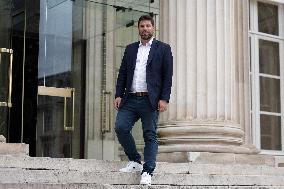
184	134
217	158
181	153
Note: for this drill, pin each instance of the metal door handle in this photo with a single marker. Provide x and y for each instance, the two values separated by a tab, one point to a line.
10	79
106	124
64	93
66	128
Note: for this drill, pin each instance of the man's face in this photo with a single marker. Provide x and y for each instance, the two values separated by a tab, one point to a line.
146	29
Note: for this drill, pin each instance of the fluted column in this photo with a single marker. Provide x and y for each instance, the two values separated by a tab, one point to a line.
209	106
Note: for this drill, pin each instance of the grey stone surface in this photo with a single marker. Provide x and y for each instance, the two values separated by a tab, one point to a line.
16	149
59	173
91	165
237	169
217	158
279	161
231	158
174	157
16	175
107	186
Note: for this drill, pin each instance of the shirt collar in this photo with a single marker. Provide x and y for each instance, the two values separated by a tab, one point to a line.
147	44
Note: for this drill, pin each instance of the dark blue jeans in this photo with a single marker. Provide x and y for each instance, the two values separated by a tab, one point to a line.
134	109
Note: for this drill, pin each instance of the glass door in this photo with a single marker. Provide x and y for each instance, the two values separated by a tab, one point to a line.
55	124
48	72
60	80
6	60
110	27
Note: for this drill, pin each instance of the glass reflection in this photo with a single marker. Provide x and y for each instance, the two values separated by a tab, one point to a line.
52	141
268	18
269	57
76	44
270	132
4	93
5	23
4	76
60	65
55	43
270	95
5	32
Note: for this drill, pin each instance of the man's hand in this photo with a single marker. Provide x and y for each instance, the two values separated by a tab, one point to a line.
117	102
162	105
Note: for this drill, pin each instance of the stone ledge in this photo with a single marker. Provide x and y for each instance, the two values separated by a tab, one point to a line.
100	166
15	149
118	178
208	147
108	186
217	158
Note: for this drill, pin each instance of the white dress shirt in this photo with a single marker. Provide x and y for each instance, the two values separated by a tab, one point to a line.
139	78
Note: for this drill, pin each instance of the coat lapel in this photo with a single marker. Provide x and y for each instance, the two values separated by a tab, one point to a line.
150	56
152	51
134	55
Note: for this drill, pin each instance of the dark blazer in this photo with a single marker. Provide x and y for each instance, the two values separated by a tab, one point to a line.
159	71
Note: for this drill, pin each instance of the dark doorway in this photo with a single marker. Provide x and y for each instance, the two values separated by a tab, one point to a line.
24	40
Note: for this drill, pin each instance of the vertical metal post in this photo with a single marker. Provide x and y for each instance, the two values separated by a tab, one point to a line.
10	78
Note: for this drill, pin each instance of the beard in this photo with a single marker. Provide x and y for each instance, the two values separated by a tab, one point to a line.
146	36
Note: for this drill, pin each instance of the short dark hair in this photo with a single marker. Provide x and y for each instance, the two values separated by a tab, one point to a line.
146	17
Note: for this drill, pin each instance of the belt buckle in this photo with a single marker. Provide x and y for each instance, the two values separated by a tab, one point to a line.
139	94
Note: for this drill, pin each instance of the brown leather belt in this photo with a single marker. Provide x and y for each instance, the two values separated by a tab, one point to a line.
140	94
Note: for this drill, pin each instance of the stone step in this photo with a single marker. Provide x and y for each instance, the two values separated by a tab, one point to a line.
17	175
92	165
108	186
213	169
218	158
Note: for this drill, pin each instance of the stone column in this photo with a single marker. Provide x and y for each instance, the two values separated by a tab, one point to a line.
209	108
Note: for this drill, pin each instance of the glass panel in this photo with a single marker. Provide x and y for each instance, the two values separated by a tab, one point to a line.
4	77
52	140
270	130
55	44
268	18
269	95
5	23
5	32
269	57
57	35
61	64
3	121
109	28
4	92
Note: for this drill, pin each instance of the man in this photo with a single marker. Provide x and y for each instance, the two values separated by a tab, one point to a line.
142	91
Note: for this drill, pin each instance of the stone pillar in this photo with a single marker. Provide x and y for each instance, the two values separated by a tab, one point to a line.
209	108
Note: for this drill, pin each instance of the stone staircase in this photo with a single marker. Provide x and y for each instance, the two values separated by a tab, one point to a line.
208	171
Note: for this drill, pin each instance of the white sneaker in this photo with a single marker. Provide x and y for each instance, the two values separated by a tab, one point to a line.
145	179
132	166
